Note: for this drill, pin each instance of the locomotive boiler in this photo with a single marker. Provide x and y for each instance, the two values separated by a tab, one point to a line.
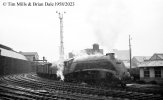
102	70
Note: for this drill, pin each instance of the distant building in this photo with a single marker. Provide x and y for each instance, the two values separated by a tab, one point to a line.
9	52
157	56
152	69
137	60
94	50
13	62
31	56
71	55
88	51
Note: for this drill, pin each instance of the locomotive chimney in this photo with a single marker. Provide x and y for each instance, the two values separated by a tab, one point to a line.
111	55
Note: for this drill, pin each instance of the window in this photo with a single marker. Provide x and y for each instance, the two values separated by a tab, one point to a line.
157	72
146	72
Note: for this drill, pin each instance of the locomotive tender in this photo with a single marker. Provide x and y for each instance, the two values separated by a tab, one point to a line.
103	70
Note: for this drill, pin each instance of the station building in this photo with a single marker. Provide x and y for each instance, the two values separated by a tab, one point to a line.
152	69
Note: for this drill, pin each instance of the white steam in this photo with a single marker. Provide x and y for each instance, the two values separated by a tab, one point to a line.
80	53
108	19
59	67
83	54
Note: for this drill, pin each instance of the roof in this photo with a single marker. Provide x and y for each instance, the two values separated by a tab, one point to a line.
157	56
12	54
142	58
5	47
160	55
29	53
155	63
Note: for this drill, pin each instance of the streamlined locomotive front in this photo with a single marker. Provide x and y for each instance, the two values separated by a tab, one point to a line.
95	69
92	69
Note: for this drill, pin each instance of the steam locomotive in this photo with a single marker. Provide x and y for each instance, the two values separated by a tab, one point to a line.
102	70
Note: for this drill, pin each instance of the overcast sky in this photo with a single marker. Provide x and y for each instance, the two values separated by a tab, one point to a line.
106	22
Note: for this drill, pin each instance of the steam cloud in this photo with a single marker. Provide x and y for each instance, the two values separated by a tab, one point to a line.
83	53
108	18
59	66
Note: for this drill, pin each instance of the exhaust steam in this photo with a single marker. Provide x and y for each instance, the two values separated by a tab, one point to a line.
59	67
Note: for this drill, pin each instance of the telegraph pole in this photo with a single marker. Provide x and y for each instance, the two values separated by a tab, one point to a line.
130	49
61	35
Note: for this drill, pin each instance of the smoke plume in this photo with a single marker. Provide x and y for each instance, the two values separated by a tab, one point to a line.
108	18
59	67
83	54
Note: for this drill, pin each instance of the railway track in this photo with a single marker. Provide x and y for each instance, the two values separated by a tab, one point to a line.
31	87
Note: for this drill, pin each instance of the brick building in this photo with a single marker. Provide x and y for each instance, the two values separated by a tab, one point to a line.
94	50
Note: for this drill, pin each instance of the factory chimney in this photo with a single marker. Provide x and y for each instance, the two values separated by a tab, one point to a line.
95	47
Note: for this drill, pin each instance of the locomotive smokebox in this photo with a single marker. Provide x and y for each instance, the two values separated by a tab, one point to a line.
111	55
